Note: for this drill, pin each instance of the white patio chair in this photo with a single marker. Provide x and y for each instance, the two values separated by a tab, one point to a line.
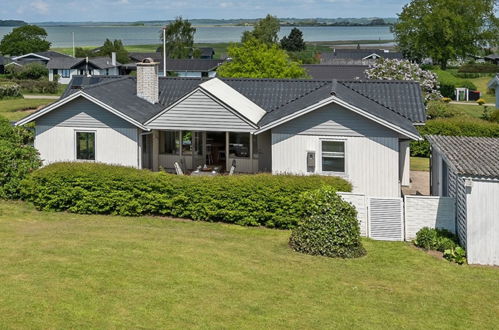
233	167
178	170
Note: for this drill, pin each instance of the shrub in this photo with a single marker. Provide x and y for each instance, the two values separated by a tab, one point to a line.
9	90
439	109
457	255
330	226
456	126
435	239
272	201
446	99
494	116
37	86
479	68
17	158
480	101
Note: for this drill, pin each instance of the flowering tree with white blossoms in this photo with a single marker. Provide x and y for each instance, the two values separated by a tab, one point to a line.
387	69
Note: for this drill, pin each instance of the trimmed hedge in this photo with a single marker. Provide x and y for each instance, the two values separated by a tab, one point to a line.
91	188
455	126
479	68
330	227
34	86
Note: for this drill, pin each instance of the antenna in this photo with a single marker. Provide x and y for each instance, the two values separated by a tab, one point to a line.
73	44
164	50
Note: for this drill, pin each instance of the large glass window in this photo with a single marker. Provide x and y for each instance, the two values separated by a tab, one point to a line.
255	146
187	143
85	145
198	143
239	145
65	73
169	142
333	156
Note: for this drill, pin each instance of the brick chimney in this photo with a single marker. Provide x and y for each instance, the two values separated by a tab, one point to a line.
147	80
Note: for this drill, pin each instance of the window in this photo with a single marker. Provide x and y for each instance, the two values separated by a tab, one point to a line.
65	73
107	72
186	143
239	145
169	142
85	145
333	156
255	146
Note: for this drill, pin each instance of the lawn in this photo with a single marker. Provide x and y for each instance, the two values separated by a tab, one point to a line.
15	109
471	110
420	164
481	84
62	270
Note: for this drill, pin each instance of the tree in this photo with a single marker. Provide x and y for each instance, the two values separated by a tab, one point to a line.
294	42
265	30
107	49
179	38
445	30
25	39
256	59
387	69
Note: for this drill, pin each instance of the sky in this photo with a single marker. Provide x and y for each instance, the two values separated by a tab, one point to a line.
137	10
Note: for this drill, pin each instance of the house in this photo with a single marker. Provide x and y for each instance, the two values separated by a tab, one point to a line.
207	53
492	58
359	130
189	67
340	72
467	168
67	67
357	56
494	84
39	57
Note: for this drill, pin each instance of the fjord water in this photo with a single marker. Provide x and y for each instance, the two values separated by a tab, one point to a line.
61	36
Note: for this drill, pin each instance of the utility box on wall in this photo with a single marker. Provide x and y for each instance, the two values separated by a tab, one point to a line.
311	161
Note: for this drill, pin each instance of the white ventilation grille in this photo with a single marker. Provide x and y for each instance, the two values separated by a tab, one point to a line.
386	221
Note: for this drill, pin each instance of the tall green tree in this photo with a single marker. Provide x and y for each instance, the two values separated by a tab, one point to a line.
179	38
265	30
256	59
294	42
445	30
25	39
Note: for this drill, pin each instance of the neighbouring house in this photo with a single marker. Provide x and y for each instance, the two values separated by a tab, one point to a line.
467	168
357	56
207	53
359	130
494	84
67	67
492	58
39	57
340	72
189	67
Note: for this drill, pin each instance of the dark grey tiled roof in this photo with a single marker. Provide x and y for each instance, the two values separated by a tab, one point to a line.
102	62
340	72
475	156
51	54
279	97
355	54
178	65
4	60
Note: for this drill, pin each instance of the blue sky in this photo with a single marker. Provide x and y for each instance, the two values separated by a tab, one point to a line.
134	10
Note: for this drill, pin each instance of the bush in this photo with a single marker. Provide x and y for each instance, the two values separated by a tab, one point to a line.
435	239
17	158
480	101
29	71
9	90
457	255
456	126
494	116
37	86
272	201
479	68
330	226
439	109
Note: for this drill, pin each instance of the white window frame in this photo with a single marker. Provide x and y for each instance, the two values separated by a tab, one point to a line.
76	131
344	141
68	72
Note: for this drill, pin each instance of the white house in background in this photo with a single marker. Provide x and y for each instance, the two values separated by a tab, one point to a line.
467	168
359	130
494	84
67	67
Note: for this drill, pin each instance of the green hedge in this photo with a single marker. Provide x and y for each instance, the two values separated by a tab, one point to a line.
455	126
34	86
479	68
272	201
8	89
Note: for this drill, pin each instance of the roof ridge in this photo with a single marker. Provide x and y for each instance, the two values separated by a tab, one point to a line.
375	101
302	95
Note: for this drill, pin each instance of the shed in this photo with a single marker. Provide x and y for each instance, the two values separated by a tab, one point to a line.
467	168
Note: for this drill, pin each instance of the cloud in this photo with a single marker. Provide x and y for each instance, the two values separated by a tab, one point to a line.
38	6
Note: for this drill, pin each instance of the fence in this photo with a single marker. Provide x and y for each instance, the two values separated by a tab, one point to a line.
397	219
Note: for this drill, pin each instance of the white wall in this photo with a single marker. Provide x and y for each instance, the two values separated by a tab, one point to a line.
483	222
372	164
117	146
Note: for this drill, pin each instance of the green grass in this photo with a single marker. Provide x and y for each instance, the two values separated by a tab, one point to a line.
63	270
15	109
420	164
471	110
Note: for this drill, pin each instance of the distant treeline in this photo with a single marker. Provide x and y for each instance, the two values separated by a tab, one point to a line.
12	22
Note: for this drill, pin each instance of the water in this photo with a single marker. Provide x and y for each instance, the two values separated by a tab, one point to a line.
61	36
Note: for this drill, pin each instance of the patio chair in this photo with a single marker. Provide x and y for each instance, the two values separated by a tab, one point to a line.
178	170
233	167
